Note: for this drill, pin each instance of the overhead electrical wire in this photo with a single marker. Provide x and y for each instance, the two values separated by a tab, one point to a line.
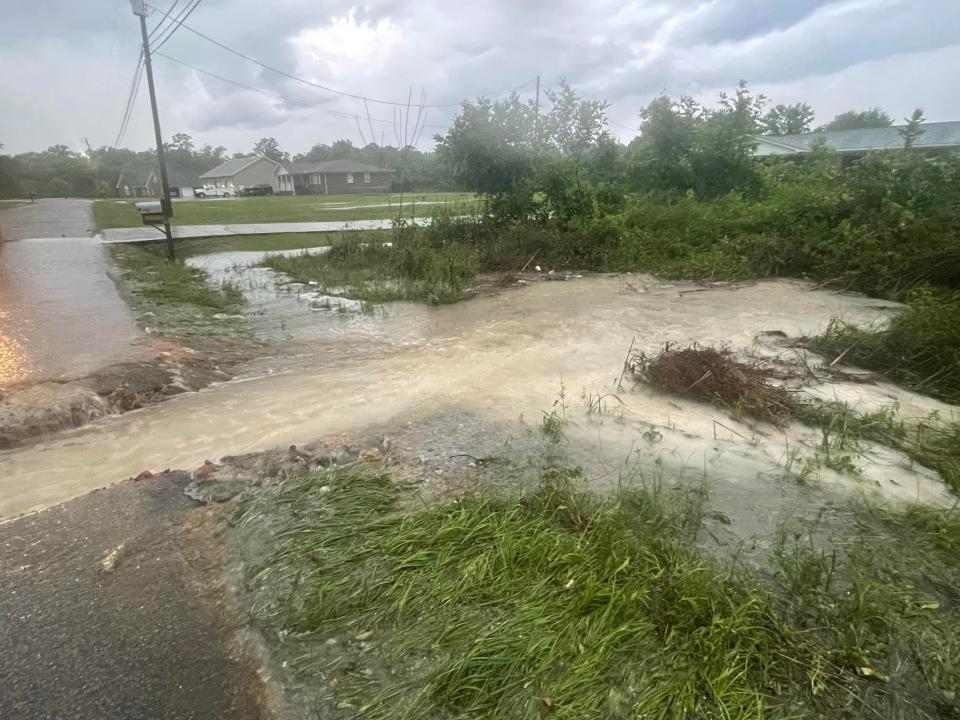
278	96
163	19
318	86
176	24
131	99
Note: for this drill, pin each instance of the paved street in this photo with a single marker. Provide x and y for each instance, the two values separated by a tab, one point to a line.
60	313
149	234
140	635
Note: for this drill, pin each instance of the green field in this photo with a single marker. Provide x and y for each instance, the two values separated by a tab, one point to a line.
306	208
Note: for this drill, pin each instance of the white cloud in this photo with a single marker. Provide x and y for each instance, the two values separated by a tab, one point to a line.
66	72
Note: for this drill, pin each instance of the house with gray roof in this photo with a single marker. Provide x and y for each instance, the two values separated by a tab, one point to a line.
332	177
936	136
232	176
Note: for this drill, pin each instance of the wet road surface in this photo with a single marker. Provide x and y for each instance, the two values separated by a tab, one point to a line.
145	640
60	313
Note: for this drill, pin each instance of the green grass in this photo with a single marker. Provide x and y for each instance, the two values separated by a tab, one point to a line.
175	300
920	348
561	604
114	213
364	267
932	441
281	241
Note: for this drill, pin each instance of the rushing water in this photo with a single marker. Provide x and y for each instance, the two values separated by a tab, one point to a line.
504	358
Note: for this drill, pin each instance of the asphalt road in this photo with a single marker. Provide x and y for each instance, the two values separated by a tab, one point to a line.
146	640
60	313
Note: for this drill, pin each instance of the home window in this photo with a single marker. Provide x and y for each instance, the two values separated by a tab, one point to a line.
366	178
349	178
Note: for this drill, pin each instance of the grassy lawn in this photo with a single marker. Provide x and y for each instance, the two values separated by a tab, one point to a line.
279	241
559	604
308	208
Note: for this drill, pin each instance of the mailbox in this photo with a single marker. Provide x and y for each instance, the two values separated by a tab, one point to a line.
154	212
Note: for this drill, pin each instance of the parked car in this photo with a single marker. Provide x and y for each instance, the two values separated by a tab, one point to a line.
263	189
214	191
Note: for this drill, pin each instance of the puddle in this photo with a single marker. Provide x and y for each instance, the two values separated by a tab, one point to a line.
503	358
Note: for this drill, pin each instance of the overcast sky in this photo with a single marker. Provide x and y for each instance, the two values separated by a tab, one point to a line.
66	65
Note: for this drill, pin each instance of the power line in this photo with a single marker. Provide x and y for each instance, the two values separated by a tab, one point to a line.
269	93
318	86
131	100
177	23
163	19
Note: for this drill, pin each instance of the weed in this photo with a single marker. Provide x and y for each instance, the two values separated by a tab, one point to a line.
919	349
713	375
561	603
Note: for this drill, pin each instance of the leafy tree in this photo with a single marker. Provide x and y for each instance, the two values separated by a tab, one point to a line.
269	147
912	130
721	158
788	119
487	149
181	142
859	119
657	160
573	125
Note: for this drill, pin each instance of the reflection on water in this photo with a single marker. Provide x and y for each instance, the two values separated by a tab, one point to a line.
13	360
60	313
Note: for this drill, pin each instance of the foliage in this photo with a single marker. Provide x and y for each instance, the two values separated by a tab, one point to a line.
269	147
859	119
920	348
788	119
410	266
558	603
912	130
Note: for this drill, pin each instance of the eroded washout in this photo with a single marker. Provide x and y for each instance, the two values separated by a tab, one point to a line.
521	392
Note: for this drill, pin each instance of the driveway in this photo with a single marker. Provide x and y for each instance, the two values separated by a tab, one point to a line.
60	313
112	610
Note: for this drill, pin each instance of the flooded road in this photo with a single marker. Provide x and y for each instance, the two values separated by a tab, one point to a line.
504	358
60	313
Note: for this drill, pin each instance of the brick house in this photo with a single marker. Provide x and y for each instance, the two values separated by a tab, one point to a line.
332	177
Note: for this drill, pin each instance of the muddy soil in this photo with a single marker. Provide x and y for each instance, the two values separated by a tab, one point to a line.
29	411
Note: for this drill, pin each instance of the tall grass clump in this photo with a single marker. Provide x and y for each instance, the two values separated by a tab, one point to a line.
561	604
920	348
378	267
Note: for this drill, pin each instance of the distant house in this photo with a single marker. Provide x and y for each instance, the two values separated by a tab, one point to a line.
182	181
234	175
332	177
138	182
145	182
936	136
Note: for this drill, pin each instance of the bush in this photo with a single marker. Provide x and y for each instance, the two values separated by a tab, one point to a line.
920	348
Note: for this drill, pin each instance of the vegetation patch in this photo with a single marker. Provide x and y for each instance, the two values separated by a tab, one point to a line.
370	267
920	348
711	375
306	208
175	299
562	604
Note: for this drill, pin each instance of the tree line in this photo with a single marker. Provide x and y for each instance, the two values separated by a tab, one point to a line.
682	144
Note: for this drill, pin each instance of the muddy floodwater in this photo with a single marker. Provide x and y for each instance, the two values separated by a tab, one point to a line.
507	358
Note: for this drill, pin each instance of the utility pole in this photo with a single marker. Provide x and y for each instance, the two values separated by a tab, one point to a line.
140	10
536	116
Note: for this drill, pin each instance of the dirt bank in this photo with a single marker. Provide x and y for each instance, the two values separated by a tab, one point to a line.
30	411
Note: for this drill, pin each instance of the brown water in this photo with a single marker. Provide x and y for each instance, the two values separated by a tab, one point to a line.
503	358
